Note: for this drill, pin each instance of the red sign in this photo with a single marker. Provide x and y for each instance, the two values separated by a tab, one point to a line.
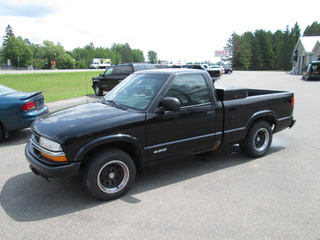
221	53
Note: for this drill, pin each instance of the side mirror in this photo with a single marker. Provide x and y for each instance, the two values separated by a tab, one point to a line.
170	104
100	75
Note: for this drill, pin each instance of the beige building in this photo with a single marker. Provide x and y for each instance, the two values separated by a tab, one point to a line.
307	50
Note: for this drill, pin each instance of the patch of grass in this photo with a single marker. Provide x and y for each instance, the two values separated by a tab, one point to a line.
55	86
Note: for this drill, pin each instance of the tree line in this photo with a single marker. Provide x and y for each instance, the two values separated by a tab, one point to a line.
22	53
264	50
258	50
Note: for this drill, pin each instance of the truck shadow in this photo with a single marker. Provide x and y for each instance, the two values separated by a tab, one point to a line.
27	197
16	138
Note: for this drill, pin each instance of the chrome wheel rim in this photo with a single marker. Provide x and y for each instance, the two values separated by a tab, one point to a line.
113	176
261	139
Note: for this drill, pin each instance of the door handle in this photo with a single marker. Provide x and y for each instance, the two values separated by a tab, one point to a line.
211	113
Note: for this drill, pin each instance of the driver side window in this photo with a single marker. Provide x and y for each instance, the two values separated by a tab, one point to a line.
190	90
109	72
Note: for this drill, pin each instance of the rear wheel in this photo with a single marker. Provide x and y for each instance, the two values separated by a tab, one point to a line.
109	174
97	89
258	140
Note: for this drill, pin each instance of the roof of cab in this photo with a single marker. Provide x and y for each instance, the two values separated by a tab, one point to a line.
170	71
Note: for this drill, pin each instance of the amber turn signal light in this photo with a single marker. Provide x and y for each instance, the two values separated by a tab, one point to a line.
54	158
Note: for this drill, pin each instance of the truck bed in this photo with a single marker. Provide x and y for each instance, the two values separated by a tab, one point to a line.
241	104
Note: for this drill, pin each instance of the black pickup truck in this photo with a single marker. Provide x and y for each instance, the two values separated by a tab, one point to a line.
150	116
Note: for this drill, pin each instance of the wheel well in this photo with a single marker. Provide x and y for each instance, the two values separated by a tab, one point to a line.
127	147
269	119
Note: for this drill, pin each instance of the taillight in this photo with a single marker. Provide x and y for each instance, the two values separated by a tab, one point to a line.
292	101
29	106
309	73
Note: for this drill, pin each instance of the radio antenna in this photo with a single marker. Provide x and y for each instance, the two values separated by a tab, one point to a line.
87	85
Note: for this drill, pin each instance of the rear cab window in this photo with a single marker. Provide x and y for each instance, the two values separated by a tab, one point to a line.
139	67
122	70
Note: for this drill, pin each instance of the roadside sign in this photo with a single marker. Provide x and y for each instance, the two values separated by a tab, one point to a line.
221	53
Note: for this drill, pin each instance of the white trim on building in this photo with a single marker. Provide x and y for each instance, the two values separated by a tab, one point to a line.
307	50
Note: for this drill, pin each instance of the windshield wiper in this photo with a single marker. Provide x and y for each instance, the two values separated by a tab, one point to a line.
114	103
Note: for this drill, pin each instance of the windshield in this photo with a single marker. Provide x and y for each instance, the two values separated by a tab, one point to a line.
136	91
6	90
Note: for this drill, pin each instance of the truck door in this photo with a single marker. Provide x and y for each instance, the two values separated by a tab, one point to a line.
109	80
191	129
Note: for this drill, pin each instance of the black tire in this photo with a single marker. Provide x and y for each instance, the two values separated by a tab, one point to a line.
109	174
258	140
97	89
2	135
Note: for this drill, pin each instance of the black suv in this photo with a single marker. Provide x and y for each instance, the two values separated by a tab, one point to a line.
114	74
311	71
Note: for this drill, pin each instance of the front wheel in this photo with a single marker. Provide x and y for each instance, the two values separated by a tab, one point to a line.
109	174
258	140
97	89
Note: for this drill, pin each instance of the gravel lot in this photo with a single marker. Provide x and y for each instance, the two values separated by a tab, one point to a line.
225	195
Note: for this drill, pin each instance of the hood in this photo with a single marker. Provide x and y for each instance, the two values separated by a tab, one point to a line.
80	120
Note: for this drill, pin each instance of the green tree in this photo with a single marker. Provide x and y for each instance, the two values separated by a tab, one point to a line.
19	53
295	34
11	51
137	56
245	47
89	54
38	56
116	49
231	45
9	33
256	59
262	50
49	53
276	41
285	51
52	53
152	56
126	54
65	61
264	45
313	30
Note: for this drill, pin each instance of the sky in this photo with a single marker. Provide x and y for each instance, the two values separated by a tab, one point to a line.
185	31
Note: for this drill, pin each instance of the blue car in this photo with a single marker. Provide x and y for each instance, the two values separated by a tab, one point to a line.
19	109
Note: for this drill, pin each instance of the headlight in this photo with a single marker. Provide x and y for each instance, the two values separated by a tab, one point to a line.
50	145
51	150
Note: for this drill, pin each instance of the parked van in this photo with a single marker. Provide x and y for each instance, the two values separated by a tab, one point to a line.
312	71
100	63
114	74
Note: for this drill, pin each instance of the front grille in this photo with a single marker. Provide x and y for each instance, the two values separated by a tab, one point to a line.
35	137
